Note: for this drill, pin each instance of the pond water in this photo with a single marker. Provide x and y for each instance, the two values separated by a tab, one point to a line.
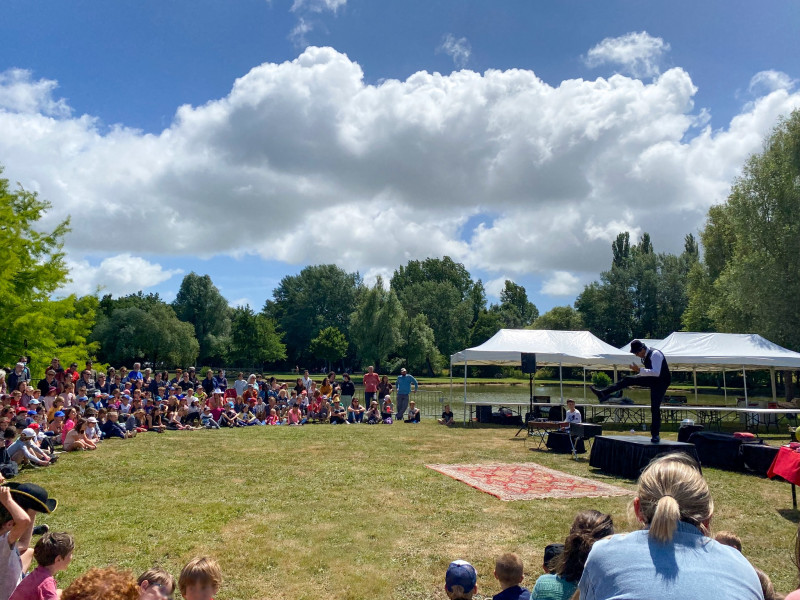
520	393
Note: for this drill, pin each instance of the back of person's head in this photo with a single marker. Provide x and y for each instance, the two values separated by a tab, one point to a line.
588	527
508	569
672	489
766	586
551	552
729	539
460	580
201	570
158	576
52	546
103	584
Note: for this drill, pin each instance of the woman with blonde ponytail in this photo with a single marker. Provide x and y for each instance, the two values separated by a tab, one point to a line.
672	557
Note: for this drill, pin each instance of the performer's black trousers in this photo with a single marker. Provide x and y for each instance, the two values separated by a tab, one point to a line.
657	391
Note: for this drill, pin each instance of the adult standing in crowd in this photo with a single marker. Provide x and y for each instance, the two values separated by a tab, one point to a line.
404	383
17	376
90	368
240	385
136	373
222	381
371	380
653	374
385	387
209	382
672	557
48	382
348	389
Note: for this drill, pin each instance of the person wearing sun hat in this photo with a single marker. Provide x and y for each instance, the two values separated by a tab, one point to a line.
19	503
460	580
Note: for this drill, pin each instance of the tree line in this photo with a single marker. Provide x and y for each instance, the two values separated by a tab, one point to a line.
744	280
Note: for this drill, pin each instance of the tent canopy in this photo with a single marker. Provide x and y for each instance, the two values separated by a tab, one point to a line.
552	348
650	343
715	351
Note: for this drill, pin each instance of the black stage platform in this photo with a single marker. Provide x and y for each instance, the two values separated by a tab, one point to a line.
628	455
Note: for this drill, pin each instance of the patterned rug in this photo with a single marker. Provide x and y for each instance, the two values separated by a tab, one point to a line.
527	481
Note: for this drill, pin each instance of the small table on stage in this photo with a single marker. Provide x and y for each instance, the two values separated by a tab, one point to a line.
628	455
541	429
787	465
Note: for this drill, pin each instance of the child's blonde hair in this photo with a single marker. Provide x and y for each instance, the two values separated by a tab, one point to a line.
158	576
200	570
508	568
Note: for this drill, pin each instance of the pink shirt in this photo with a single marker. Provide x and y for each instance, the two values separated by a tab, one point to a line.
39	585
371	381
65	429
793	596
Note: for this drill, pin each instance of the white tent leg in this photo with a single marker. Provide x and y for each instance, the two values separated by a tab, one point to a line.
744	380
465	392
451	383
615	374
772	381
584	385
561	382
724	387
695	385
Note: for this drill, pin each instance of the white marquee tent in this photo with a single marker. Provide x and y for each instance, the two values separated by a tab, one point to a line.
552	349
687	351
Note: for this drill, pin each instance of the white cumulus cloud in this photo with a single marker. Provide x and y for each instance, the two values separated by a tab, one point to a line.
459	49
561	283
369	176
636	53
770	81
117	275
317	5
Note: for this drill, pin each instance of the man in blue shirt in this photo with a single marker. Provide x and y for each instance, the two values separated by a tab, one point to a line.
404	383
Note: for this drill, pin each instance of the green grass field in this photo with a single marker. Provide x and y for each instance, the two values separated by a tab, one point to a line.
346	511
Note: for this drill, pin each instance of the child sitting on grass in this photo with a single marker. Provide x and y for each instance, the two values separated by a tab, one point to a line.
272	419
460	580
155	584
53	553
387	410
373	415
508	570
200	579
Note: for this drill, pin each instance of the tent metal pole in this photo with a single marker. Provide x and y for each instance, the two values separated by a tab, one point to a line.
615	374
694	371
451	382
772	381
744	380
561	382
465	392
584	385
724	387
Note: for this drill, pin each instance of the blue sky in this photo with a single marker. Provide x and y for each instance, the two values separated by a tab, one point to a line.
493	170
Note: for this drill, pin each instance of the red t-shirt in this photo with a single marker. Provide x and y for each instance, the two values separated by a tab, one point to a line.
371	381
39	585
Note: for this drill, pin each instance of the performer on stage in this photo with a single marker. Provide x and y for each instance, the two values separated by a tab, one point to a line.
654	374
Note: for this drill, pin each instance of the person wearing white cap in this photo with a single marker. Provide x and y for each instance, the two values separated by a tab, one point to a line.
25	451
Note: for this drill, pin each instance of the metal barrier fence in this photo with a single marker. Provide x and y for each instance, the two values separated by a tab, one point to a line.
429	402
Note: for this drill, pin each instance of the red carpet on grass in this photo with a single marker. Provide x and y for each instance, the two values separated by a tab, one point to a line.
527	481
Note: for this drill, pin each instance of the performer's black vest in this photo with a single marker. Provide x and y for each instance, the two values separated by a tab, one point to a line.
665	377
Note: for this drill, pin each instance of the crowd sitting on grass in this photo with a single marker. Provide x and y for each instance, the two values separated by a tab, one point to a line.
71	410
672	555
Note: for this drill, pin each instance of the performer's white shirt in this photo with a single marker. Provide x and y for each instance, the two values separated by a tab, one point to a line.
573	416
656	359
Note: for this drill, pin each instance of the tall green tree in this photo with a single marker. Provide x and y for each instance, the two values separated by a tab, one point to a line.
520	312
32	262
200	303
154	335
319	296
562	318
443	291
254	339
752	244
330	345
420	350
375	326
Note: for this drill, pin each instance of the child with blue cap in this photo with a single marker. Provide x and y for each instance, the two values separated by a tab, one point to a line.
461	580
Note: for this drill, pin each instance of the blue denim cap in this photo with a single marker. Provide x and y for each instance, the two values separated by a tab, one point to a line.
460	572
